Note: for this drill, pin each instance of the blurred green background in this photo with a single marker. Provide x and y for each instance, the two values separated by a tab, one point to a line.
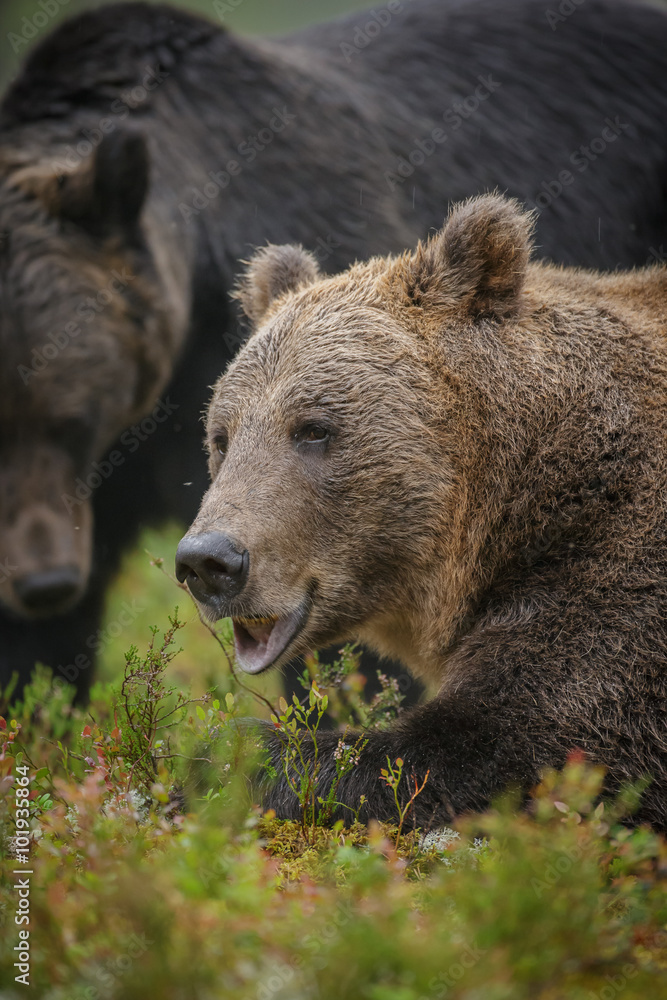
22	18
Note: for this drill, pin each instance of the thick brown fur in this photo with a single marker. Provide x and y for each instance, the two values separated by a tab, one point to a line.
274	270
102	337
144	151
489	506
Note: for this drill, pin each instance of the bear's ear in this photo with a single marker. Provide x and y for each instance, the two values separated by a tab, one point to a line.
104	193
107	192
271	272
477	263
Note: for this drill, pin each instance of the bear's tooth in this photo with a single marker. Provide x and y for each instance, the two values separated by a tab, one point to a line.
254	622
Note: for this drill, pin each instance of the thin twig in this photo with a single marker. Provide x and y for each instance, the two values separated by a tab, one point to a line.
260	697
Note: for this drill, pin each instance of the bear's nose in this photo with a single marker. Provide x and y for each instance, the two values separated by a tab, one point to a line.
211	565
49	591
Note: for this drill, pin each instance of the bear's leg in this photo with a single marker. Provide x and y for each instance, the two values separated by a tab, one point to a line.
369	665
470	750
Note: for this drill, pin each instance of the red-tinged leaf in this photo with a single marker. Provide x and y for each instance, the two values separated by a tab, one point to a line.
3	724
399	762
86	731
116	733
561	807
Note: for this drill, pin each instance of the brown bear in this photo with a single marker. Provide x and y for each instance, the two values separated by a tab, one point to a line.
456	457
144	150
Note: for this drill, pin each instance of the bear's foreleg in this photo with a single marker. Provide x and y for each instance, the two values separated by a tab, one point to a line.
469	752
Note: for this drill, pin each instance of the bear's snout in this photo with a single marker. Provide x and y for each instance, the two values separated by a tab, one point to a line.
47	553
50	591
214	569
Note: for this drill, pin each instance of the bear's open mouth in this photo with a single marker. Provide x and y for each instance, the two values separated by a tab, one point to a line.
260	641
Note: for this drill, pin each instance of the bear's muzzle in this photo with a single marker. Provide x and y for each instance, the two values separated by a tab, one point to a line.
213	568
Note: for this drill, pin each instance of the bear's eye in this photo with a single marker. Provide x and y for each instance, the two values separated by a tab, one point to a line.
220	444
312	434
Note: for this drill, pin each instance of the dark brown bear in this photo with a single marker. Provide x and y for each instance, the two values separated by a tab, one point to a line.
456	457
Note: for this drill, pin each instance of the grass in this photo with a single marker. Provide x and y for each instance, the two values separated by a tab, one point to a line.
149	590
131	898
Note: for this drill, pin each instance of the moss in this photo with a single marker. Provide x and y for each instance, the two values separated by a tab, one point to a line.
129	901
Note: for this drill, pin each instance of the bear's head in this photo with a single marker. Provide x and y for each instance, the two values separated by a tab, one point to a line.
337	441
84	354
